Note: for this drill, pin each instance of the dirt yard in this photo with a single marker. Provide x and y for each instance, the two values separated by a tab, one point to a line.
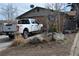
52	48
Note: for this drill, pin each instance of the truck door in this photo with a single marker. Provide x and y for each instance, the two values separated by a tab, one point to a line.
34	25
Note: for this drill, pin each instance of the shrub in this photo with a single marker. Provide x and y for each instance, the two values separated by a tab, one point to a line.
52	29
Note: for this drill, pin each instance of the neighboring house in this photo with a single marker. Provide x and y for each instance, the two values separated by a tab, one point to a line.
44	16
70	22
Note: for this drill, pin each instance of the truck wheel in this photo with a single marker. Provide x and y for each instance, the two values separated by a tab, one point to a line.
12	37
25	34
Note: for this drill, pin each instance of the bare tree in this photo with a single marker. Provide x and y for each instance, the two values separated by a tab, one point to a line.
9	11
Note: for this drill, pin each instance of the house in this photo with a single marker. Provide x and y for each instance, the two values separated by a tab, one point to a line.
44	16
70	22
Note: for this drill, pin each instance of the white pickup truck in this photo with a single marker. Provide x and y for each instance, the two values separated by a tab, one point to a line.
23	27
8	29
28	25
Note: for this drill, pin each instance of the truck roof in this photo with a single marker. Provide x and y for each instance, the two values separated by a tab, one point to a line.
27	19
31	19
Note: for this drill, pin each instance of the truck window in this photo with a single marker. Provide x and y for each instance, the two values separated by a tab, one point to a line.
35	22
23	22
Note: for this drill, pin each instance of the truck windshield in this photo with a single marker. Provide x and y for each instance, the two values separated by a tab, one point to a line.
23	22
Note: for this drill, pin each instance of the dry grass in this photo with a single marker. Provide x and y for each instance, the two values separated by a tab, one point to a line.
19	40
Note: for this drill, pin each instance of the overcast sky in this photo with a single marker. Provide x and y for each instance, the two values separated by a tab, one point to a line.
23	7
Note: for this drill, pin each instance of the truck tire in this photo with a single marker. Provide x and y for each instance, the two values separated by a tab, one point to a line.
11	36
25	34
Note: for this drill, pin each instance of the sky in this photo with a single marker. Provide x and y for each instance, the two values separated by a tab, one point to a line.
24	7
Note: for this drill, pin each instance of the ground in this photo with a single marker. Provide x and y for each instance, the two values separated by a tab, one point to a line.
52	48
75	47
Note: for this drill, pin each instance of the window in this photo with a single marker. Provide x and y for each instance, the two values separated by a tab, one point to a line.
23	22
37	9
35	22
50	17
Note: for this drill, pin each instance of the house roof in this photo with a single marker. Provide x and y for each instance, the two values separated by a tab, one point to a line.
32	10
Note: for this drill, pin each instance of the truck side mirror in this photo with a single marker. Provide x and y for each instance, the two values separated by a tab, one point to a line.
37	22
